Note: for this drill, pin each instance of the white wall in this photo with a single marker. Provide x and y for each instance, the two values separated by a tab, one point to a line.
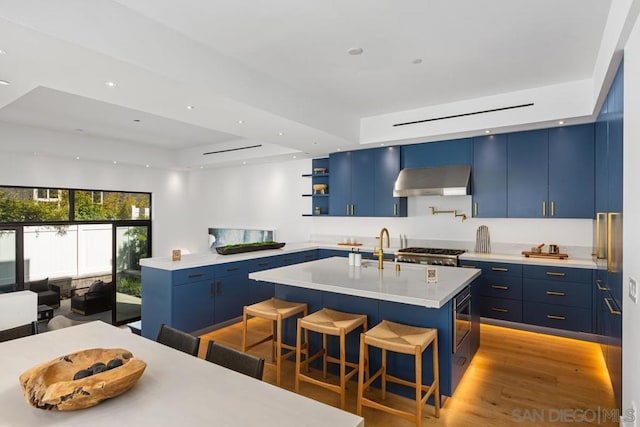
169	188
631	238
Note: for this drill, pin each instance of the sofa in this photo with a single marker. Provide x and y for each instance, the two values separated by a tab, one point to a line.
96	299
48	294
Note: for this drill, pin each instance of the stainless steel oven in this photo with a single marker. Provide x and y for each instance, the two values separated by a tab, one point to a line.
461	317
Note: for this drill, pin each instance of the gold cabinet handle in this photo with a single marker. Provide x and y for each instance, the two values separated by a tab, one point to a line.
553	273
556	293
395	209
353	210
611	310
499	310
348	210
611	267
600	220
475	209
504	288
553	208
554	317
544	208
600	288
499	269
467	266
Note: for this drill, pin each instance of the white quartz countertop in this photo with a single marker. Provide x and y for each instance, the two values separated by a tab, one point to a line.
520	259
406	286
209	258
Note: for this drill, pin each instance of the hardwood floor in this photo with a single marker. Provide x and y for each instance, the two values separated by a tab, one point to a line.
517	378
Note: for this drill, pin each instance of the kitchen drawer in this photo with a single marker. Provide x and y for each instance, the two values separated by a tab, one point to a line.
307	256
191	275
265	263
564	274
556	292
557	316
500	286
498	268
224	270
501	308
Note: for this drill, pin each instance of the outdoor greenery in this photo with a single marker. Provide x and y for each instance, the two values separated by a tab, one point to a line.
19	205
130	286
134	249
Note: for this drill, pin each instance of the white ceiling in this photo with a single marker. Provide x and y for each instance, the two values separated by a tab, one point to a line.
279	66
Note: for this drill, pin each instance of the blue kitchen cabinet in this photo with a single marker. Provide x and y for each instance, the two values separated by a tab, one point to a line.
527	174
387	168
193	305
571	171
615	145
489	176
601	164
440	153
351	188
231	290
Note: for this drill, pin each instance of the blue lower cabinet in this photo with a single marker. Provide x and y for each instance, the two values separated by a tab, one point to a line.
556	292
193	306
328	253
557	316
497	286
565	274
231	291
501	308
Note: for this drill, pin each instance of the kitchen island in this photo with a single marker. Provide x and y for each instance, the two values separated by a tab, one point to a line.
400	296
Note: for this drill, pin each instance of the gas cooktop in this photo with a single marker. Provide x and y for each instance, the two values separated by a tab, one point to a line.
431	251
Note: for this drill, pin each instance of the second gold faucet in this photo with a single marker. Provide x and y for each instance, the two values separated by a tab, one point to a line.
380	252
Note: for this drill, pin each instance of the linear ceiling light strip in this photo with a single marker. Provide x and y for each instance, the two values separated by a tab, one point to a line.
232	149
464	114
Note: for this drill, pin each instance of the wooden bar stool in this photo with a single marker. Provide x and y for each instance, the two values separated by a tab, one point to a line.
276	310
328	322
390	336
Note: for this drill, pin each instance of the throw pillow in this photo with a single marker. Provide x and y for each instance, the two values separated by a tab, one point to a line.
39	285
96	286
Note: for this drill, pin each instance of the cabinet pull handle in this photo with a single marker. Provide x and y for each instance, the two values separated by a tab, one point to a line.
499	269
600	288
611	268
348	210
213	289
475	209
556	293
288	259
194	275
467	266
353	210
599	222
553	273
395	209
232	268
499	310
504	288
611	310
262	264
553	208
219	290
544	208
554	317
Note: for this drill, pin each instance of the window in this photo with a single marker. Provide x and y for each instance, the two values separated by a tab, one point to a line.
98	197
46	195
111	205
20	204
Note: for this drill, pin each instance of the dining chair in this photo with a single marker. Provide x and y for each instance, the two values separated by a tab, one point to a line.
18	332
179	340
235	360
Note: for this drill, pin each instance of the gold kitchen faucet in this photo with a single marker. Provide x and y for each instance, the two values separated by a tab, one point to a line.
380	253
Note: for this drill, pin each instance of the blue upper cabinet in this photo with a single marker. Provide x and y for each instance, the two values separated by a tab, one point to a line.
601	165
615	146
489	176
571	172
351	189
387	167
527	174
441	153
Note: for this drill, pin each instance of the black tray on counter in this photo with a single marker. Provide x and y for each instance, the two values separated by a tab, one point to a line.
229	250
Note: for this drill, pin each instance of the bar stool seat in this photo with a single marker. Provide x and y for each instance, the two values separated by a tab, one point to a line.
400	338
334	323
276	310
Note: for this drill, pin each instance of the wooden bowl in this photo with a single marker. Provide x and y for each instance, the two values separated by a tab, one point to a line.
319	170
321	188
51	386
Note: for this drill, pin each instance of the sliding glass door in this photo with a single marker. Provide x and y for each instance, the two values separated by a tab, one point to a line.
9	237
131	243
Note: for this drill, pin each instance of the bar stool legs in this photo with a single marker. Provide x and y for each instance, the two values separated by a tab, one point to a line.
334	323
389	336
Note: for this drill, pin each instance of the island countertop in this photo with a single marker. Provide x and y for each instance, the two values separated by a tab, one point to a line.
407	286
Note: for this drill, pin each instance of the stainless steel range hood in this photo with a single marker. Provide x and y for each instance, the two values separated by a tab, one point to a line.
437	181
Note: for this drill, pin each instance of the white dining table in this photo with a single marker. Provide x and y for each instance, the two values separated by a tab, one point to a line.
176	389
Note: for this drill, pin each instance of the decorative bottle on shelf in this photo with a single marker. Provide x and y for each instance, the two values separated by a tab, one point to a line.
316	210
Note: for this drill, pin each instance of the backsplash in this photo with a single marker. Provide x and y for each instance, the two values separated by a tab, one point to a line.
233	236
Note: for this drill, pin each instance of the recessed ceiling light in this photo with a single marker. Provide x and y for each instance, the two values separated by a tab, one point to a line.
240	122
355	51
280	133
339	149
110	84
77	157
417	61
561	122
146	166
3	52
295	157
190	107
201	167
382	144
115	162
4	83
244	163
487	131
